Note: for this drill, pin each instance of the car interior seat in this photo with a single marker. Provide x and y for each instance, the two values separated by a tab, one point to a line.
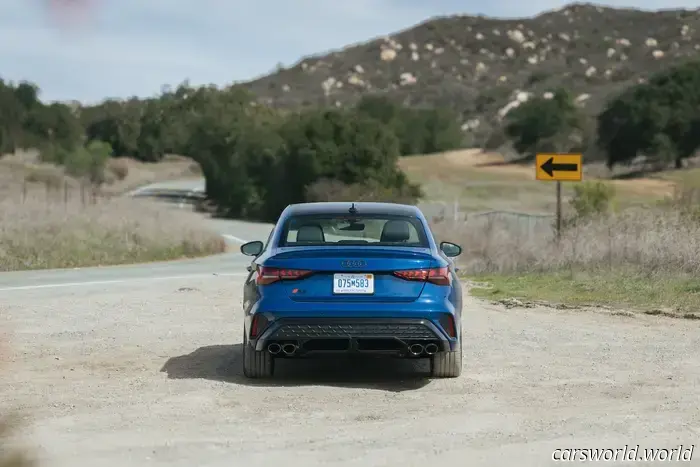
395	231
311	234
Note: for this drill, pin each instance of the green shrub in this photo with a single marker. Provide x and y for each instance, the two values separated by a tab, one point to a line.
88	162
592	198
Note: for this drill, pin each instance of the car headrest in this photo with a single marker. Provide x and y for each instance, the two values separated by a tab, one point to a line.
395	231
310	233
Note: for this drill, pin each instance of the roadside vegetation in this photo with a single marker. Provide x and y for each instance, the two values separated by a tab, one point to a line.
256	159
58	234
610	251
49	219
646	258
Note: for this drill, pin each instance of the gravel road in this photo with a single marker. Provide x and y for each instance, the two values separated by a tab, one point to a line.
147	373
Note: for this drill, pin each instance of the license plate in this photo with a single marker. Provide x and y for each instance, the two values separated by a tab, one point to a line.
353	283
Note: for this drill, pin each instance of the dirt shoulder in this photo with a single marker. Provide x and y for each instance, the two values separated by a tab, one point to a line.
535	380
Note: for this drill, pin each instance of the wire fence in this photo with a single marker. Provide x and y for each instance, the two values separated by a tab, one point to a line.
52	193
524	224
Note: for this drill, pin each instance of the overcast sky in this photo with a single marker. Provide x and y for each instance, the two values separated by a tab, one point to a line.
121	48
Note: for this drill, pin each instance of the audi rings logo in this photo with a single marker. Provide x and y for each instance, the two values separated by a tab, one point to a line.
353	263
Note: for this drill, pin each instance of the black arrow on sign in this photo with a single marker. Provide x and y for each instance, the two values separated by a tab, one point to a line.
550	167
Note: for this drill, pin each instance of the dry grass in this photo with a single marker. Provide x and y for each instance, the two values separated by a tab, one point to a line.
56	232
645	239
47	219
482	181
122	174
638	257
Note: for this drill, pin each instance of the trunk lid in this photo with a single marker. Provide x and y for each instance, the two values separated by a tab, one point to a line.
354	270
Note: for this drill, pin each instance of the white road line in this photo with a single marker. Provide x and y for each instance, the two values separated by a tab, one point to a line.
235	239
119	281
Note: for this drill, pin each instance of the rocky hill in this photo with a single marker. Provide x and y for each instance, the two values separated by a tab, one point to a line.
482	67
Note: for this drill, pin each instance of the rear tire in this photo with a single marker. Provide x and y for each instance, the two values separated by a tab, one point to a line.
446	364
257	364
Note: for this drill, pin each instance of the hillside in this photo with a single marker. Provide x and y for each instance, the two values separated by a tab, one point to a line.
482	66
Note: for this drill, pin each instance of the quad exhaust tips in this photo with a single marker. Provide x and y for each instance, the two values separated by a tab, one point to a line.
418	349
289	349
274	349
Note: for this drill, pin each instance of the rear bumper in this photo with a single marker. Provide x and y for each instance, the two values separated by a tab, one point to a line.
354	335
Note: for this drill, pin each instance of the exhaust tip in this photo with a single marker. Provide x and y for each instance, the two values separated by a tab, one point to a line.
416	349
431	349
289	349
274	349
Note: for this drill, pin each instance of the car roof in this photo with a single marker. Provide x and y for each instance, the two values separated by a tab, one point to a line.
392	209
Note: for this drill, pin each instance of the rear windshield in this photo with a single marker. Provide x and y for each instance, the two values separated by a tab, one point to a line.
342	229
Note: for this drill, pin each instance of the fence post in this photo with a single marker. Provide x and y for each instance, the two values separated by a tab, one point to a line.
558	210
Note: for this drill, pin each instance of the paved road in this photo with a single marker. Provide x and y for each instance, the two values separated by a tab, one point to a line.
140	365
235	233
193	185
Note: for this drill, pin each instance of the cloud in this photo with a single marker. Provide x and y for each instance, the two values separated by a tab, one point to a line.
133	47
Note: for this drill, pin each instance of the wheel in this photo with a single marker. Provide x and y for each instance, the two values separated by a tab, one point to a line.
446	364
257	364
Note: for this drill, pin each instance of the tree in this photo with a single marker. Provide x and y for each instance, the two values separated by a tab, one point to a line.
236	145
419	131
255	159
545	125
54	125
342	145
11	118
117	123
659	119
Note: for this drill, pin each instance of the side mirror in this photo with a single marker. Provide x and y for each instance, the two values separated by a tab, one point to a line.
450	249
252	248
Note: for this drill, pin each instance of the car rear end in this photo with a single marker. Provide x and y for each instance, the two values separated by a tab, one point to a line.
364	284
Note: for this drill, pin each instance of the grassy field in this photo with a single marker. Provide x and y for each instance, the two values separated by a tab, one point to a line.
483	181
48	220
672	295
645	255
644	258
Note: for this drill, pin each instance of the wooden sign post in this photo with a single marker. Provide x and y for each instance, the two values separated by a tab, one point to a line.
559	168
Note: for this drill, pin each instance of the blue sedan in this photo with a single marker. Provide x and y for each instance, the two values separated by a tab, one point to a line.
359	278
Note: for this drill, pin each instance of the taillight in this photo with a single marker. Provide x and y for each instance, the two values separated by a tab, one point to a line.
439	276
447	321
258	325
268	275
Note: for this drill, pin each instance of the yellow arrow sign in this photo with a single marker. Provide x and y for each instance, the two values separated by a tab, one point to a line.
559	167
